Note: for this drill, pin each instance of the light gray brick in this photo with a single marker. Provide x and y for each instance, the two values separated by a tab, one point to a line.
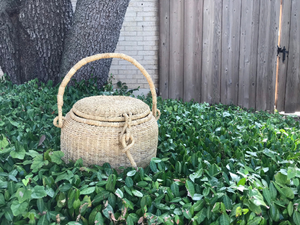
133	19
134	28
147	14
136	47
150	47
145	43
137	38
146	23
146	53
151	38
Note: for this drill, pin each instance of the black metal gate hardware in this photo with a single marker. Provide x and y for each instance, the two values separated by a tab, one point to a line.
283	51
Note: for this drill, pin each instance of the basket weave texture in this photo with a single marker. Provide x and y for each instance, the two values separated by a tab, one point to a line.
119	130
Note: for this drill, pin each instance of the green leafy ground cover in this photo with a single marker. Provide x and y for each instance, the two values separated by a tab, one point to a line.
215	165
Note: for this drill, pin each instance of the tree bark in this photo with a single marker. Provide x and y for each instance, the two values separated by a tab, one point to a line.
32	34
96	29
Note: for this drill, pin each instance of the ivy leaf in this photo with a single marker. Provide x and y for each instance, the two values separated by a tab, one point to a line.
119	193
23	194
267	195
288	192
3	143
38	192
56	157
43	221
38	162
18	208
224	219
281	178
101	196
131	173
296	218
290	208
19	152
87	191
190	188
128	182
99	219
137	193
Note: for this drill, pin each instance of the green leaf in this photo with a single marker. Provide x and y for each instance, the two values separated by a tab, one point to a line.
242	182
175	189
18	208
111	182
281	178
196	175
290	208
38	192
254	221
23	195
296	218
3	143
87	191
119	193
79	163
8	215
99	219
267	195
190	188
227	202
128	182
56	157
19	152
274	213
101	196
291	173
224	219
201	215
288	192
131	173
33	153
156	160
273	191
187	213
38	162
137	193
43	221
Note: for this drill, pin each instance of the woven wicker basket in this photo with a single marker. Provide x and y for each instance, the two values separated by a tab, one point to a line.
115	129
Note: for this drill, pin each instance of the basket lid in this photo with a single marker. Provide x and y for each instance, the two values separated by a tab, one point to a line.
110	108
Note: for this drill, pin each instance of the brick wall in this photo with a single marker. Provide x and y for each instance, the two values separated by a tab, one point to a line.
138	39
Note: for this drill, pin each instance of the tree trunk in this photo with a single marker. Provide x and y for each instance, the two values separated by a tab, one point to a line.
39	40
96	29
32	34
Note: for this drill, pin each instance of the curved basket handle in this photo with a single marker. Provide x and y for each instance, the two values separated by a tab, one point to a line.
86	60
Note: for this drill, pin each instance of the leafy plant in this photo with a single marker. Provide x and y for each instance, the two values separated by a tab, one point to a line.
215	164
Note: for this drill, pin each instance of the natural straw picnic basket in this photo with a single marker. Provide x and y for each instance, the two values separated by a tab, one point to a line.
119	130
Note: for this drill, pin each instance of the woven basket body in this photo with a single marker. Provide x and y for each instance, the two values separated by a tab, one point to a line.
119	130
99	143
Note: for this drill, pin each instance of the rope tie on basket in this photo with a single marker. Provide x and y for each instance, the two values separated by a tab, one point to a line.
157	114
126	138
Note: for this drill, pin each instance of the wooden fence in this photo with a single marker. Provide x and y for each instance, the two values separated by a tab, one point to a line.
224	51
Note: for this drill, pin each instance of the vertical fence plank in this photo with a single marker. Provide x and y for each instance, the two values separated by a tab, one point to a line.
192	49
231	22
211	57
248	54
284	41
164	47
267	46
176	49
292	98
198	49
